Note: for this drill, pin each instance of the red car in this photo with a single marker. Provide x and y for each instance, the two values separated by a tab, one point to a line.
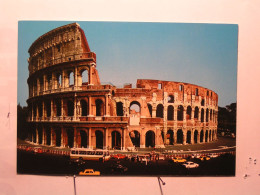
119	156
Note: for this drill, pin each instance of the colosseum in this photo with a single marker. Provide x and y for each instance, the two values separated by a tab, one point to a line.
69	107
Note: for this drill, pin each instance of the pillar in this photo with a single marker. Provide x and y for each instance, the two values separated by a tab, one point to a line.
75	144
62	137
106	138
89	106
106	108
184	113
142	139
192	113
175	113
123	140
175	136
184	137
192	136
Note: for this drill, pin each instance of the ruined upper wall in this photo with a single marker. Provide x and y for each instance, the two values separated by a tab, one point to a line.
66	43
171	87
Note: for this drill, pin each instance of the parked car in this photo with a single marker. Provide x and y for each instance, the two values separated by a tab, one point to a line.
89	172
190	165
213	155
179	160
119	156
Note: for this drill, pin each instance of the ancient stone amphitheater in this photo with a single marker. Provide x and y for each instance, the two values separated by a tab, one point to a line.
69	107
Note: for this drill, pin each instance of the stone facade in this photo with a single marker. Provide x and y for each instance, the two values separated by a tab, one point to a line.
70	108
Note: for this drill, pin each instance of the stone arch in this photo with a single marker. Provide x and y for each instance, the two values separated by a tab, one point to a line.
99	107
150	108
188	137
170	136
179	136
48	107
83	107
135	138
135	107
40	135
34	134
170	113
83	77
206	136
57	107
83	139
170	99
71	78
210	115
210	136
202	102
150	139
57	136
58	80
196	136
70	108
196	113
116	139
207	115
201	135
49	82
48	136
202	115
99	139
188	113
180	113
119	109
159	111
70	137
40	110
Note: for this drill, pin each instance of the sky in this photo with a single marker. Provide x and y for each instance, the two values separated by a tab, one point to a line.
201	54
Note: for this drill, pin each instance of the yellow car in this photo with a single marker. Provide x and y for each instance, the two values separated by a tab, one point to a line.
89	172
179	160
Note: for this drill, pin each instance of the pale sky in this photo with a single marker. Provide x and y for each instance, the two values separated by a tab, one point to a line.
201	54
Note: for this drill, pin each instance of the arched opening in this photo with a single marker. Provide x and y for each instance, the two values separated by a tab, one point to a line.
84	108
58	107
206	136
150	139
34	110
99	139
119	109
135	138
188	113
48	136
49	82
58	137
40	135
170	99
180	113
84	77
210	138
70	107
159	111
211	115
196	113
48	107
195	136
188	138
134	107
71	79
170	113
40	109
170	136
202	115
84	139
207	115
179	136
202	102
70	134
41	84
34	135
150	109
99	107
201	135
116	139
58	80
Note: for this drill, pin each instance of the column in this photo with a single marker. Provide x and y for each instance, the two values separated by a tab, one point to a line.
62	137
52	114
37	135
204	133
192	113
89	106
175	113
142	139
43	110
63	80
76	78
153	111
192	136
43	136
75	108
175	136
184	136
184	113
199	115
44	82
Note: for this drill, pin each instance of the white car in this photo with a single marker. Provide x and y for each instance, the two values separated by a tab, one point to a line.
190	164
213	155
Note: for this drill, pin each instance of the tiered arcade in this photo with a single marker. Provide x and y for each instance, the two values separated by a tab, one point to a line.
70	108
